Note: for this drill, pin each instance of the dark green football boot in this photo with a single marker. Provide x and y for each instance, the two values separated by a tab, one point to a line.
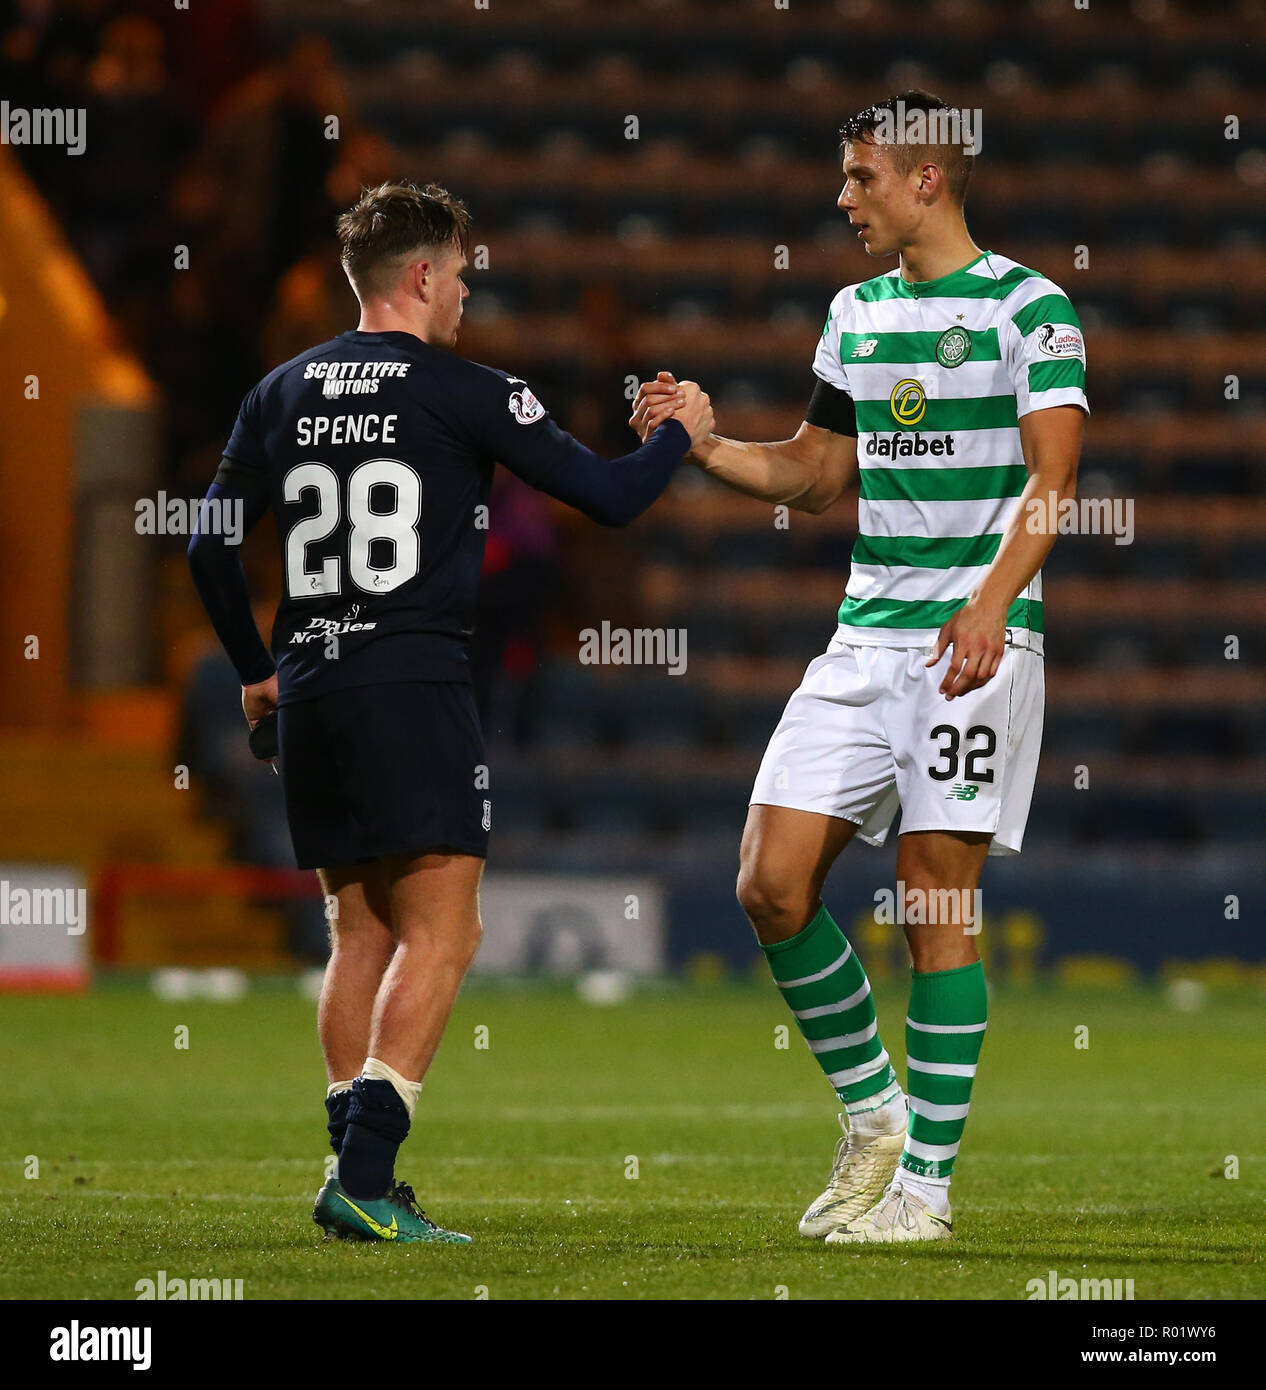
396	1216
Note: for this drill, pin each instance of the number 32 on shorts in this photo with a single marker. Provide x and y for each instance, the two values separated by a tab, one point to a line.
982	744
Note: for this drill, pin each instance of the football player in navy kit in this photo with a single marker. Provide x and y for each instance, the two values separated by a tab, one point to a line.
375	452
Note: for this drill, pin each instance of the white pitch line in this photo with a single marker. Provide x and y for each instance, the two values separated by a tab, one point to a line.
436	1161
578	1204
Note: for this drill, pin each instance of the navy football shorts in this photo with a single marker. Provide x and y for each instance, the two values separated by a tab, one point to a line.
384	769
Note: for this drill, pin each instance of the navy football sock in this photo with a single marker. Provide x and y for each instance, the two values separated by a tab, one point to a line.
377	1124
336	1107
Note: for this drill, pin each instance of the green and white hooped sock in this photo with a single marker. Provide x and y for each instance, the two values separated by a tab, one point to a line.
826	989
944	1032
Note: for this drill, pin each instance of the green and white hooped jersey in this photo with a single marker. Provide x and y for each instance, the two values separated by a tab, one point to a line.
940	372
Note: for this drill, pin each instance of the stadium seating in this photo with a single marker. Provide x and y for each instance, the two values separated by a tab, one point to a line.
710	244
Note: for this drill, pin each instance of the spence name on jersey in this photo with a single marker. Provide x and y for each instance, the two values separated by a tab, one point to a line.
375	452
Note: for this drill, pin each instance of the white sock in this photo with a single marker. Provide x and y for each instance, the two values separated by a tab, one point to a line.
933	1191
886	1113
408	1091
337	1088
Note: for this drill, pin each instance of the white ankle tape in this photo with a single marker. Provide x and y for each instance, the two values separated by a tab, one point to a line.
872	1104
408	1091
337	1088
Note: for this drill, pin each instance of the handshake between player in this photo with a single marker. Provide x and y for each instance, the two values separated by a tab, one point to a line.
666	398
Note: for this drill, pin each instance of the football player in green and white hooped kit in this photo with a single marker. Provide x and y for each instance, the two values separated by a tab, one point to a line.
954	388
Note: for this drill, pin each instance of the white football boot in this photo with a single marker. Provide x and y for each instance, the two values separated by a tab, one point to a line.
864	1166
897	1216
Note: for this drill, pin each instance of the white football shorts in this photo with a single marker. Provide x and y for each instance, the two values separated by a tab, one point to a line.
867	732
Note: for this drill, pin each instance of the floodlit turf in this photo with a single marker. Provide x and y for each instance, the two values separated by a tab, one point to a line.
1105	1162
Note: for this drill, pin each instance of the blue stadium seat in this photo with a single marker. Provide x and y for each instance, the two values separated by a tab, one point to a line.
1227	475
1077	735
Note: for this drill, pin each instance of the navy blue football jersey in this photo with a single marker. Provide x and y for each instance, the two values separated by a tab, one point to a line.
377	452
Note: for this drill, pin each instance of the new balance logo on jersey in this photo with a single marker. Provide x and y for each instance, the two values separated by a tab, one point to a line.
865	348
898	446
962	791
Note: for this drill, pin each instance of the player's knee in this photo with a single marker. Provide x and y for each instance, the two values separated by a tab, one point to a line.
776	907
462	940
936	947
473	935
359	930
450	939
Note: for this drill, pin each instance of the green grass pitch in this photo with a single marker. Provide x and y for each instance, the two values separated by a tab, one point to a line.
1103	1162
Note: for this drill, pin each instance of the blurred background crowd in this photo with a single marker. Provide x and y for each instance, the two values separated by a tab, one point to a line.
653	185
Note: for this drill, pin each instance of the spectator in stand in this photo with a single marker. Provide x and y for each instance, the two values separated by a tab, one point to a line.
520	577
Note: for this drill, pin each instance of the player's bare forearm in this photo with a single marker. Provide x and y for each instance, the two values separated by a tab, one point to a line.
807	472
791	472
1051	440
976	633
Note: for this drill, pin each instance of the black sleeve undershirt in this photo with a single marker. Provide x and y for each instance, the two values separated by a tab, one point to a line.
216	565
612	492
